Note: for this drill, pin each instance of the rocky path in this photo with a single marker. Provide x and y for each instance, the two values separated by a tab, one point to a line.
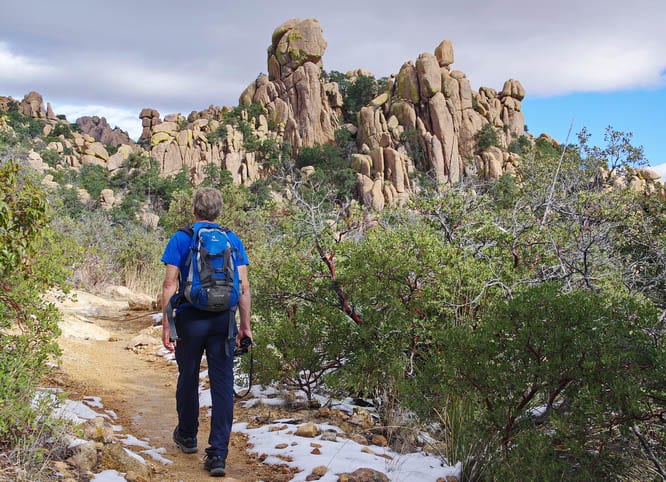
99	359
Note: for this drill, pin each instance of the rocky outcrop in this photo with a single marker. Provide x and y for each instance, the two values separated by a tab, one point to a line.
100	130
429	105
149	119
300	105
426	120
32	105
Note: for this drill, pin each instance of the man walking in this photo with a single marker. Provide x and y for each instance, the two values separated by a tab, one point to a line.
199	331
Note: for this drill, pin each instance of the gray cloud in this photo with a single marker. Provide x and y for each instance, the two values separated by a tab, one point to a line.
183	56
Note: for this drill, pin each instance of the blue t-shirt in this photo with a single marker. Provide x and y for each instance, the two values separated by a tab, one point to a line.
178	248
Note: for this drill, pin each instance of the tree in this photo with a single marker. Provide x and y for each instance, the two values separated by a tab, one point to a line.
486	137
617	156
561	380
356	93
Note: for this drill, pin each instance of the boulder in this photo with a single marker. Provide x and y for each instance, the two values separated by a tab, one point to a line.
444	53
429	76
295	43
85	456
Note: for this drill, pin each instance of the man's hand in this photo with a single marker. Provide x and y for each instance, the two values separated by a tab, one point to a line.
243	333
166	339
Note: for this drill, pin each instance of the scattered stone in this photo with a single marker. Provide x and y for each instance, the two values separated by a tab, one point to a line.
140	302
98	430
115	456
379	440
85	456
307	430
366	475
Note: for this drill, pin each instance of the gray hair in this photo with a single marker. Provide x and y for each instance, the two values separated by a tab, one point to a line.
207	203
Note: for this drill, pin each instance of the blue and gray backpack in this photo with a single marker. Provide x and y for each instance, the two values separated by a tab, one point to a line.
211	282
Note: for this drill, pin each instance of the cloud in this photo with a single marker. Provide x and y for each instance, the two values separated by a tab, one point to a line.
125	119
15	67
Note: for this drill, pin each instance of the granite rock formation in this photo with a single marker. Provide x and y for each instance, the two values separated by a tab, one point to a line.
101	131
434	107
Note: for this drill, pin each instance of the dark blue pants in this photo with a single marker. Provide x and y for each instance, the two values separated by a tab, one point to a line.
200	332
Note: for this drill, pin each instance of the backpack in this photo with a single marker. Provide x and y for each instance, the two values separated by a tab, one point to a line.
211	281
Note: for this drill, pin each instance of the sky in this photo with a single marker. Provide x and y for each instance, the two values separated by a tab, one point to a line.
589	64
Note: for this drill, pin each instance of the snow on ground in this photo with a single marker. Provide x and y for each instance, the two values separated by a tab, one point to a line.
109	476
283	446
279	442
90	407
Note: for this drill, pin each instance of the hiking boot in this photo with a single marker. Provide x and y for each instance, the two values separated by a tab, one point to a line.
187	444
215	464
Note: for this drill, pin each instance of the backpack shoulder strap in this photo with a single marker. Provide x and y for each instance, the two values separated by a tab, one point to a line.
189	230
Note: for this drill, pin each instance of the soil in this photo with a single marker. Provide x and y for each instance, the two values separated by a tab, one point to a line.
138	385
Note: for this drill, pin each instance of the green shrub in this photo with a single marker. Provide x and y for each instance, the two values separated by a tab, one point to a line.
139	259
504	190
51	157
486	137
32	261
521	146
215	176
412	141
218	135
559	378
94	179
356	93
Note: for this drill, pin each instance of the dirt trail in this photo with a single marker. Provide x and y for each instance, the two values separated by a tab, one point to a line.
139	386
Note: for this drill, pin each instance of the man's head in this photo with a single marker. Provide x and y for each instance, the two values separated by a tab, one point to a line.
207	204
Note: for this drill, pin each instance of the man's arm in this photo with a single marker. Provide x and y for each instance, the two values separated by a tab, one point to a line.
244	305
169	288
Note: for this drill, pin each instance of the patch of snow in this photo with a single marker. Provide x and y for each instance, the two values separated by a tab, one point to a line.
94	402
156	455
205	398
134	455
109	476
76	411
73	442
132	441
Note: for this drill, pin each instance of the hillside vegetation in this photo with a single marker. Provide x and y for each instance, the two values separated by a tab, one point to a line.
518	320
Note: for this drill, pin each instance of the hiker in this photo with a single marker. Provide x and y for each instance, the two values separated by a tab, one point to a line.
199	331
